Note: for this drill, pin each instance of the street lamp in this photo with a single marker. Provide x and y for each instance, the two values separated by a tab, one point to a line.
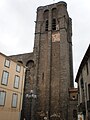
31	96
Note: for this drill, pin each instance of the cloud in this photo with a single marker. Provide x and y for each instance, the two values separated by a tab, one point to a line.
15	26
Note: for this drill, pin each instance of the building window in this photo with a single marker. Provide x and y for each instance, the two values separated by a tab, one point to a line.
2	98
5	78
7	63
82	84
53	24
46	25
14	100
16	81
18	68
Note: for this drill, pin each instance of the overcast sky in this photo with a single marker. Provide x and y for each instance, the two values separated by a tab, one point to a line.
17	26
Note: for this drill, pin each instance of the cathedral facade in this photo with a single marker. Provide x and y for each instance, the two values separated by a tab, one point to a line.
50	67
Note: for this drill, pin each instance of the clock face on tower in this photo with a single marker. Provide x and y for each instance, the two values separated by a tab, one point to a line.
55	37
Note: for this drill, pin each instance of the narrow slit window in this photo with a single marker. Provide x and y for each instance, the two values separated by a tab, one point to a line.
82	84
46	25
42	76
45	17
53	24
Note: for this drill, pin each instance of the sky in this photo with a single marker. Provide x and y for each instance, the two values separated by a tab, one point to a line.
17	26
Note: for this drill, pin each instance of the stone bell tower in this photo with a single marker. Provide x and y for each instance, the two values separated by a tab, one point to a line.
53	61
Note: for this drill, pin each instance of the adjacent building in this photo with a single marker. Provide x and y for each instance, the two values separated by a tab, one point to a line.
28	60
83	80
12	76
